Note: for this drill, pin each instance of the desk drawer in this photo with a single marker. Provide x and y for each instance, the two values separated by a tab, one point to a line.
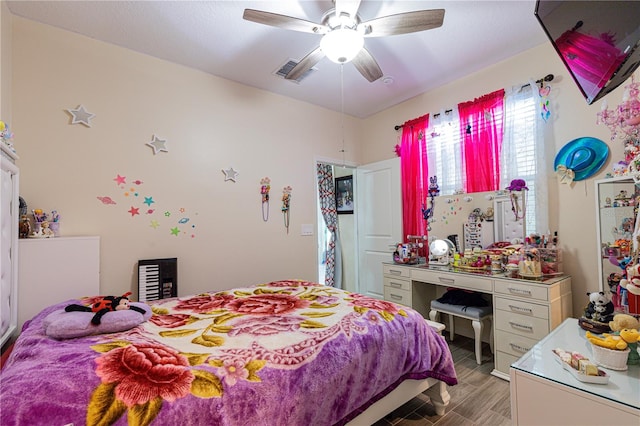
531	327
504	361
396	271
402	297
522	308
522	290
513	344
397	283
469	282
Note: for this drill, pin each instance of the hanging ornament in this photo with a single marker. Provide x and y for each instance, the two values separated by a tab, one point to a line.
518	197
434	190
265	186
286	205
544	101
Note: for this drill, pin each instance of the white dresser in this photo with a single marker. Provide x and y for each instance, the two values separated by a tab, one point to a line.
543	393
56	269
524	311
8	244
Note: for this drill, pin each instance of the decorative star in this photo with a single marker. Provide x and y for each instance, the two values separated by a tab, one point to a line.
120	180
175	231
230	174
167	214
81	116
134	211
148	201
154	224
158	145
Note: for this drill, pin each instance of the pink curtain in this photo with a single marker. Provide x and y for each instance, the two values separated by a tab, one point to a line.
414	175
481	128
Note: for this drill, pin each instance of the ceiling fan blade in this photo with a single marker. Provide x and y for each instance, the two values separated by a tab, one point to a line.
367	66
347	6
305	64
403	23
283	21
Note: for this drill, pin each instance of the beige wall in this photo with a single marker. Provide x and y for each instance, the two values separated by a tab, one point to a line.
572	208
209	123
5	63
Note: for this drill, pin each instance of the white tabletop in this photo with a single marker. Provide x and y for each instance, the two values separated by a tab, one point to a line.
623	386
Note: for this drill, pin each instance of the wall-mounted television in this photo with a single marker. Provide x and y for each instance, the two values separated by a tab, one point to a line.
598	41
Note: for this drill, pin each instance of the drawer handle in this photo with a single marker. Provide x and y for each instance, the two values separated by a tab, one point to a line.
522	326
448	281
519	291
395	296
519	348
520	309
395	272
396	285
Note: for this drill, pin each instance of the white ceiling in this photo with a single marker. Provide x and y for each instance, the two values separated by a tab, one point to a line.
212	36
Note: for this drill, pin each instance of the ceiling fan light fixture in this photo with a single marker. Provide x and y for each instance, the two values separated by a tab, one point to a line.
342	45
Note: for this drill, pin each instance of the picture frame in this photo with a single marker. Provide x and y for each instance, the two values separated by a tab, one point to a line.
345	201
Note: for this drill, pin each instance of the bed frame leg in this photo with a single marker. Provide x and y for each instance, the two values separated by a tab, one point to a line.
439	397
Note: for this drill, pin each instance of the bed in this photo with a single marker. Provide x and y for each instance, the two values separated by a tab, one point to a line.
280	353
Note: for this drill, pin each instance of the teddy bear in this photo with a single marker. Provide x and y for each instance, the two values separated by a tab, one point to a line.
600	307
622	321
632	281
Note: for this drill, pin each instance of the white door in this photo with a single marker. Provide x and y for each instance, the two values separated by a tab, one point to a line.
379	217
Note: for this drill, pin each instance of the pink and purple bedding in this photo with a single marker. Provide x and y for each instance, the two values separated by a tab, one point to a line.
282	353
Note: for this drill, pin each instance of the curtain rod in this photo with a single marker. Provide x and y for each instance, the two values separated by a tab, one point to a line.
548	77
400	126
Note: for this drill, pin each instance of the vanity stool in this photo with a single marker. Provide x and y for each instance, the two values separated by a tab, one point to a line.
477	315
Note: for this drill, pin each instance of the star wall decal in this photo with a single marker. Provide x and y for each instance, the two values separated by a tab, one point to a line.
154	224
81	116
148	201
134	211
158	145
175	231
120	180
230	174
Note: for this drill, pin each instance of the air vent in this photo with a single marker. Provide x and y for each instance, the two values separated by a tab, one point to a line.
288	66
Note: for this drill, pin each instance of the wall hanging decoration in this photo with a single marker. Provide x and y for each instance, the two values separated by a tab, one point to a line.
158	145
80	116
230	174
265	187
286	205
434	190
580	158
137	205
518	197
344	194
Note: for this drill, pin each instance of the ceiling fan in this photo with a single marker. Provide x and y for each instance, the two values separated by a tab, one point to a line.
343	34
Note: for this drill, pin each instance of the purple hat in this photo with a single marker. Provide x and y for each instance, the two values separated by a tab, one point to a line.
517	185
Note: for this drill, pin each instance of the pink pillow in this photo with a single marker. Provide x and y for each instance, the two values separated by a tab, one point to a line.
68	325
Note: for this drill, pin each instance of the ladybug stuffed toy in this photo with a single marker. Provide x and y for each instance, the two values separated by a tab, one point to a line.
106	304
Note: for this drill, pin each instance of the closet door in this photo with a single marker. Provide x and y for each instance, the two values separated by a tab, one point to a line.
8	246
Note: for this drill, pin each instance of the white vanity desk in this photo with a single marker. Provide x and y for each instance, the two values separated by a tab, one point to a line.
524	310
542	392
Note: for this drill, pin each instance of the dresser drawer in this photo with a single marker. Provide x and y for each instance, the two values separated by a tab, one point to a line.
397	283
458	280
402	297
521	307
504	361
522	290
396	271
531	327
513	344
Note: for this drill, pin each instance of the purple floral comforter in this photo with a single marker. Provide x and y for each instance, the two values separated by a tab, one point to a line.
282	353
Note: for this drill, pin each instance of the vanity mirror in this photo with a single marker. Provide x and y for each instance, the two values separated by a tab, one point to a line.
616	207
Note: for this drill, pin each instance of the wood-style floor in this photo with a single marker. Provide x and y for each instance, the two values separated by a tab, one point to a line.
478	399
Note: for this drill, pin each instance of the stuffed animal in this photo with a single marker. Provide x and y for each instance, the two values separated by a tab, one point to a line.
628	338
106	304
622	321
600	307
631	282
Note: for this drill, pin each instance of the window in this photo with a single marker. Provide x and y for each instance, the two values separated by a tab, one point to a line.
521	157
